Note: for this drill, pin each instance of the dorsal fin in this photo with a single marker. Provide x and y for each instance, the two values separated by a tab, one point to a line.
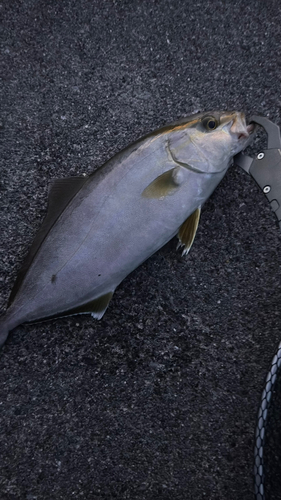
61	192
188	230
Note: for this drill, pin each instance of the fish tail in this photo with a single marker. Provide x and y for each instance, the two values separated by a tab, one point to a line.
8	322
4	329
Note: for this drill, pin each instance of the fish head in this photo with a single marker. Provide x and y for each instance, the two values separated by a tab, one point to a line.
208	141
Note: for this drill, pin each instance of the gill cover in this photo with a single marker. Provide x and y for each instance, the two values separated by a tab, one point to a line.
204	144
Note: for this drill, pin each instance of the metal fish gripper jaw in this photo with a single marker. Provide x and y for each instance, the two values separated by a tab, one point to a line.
266	167
266	170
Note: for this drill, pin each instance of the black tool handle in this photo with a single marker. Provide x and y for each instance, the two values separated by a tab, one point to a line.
266	167
266	170
272	130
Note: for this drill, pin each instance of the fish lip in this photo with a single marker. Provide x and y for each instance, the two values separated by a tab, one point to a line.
244	131
251	129
238	119
245	136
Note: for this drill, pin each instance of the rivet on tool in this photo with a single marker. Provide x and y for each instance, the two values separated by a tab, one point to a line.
260	156
266	189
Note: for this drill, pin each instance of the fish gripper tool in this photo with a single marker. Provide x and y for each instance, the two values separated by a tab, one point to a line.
265	168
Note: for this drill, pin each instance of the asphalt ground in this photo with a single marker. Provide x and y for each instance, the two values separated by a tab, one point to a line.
159	399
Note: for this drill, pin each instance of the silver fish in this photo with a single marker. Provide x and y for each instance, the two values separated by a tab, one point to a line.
98	229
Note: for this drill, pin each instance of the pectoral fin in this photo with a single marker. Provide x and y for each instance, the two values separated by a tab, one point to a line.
188	230
164	185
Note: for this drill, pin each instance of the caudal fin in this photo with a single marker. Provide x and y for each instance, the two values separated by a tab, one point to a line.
4	330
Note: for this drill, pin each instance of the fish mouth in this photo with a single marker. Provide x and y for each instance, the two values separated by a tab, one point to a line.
245	139
239	128
249	129
242	133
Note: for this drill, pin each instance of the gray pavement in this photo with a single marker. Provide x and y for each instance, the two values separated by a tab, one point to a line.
159	399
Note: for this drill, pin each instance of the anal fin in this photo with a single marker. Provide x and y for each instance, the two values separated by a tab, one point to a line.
188	230
96	307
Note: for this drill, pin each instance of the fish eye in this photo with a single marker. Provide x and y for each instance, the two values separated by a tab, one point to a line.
209	122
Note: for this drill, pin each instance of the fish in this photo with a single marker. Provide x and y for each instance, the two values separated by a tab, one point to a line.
99	228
